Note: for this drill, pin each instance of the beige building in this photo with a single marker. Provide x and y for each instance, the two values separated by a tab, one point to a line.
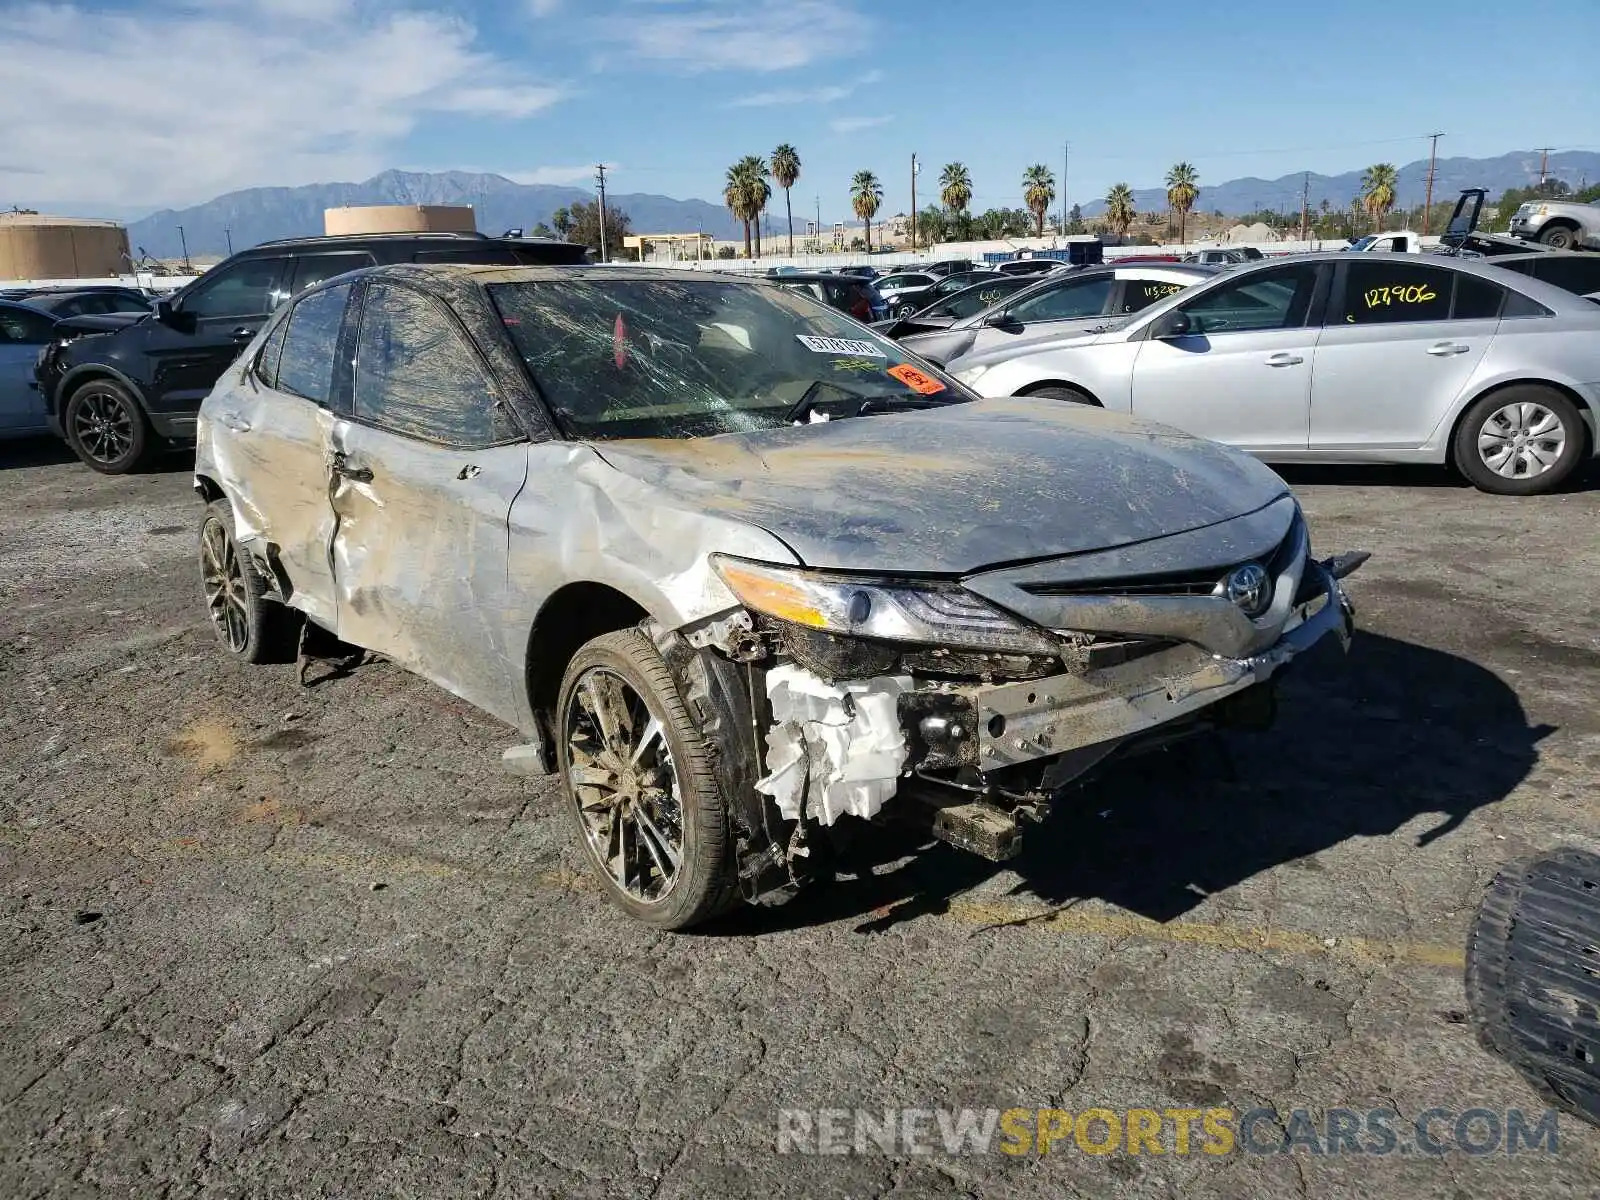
399	218
42	247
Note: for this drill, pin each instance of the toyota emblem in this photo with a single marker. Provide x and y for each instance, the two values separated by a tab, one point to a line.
1249	587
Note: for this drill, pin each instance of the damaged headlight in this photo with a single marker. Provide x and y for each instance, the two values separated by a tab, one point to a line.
926	615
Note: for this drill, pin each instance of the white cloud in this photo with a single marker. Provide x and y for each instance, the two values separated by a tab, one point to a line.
851	124
171	105
543	8
581	176
739	35
796	96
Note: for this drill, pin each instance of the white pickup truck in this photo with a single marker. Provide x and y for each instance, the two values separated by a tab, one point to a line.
1396	241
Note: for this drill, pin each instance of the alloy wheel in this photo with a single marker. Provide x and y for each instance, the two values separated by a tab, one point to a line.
1521	440
102	425
225	587
625	785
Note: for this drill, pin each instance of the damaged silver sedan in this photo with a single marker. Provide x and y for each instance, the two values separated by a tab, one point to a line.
739	569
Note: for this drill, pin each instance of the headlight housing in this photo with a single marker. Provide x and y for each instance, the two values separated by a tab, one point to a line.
929	615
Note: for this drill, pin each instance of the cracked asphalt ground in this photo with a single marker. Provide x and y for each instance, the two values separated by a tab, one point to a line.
271	941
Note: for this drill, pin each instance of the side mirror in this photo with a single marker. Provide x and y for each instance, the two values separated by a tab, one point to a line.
1002	320
174	317
1174	324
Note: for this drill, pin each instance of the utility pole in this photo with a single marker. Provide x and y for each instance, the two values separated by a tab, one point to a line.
1066	157
1427	203
184	242
228	233
1305	203
600	170
819	223
914	169
1544	161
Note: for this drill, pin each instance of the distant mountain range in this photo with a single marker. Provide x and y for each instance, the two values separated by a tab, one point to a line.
1235	197
259	214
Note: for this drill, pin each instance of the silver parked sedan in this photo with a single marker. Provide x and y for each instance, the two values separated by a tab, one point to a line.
1064	302
1349	359
736	567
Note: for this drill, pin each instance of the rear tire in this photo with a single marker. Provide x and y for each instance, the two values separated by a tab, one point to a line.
247	625
1559	237
642	773
1519	441
106	428
1072	394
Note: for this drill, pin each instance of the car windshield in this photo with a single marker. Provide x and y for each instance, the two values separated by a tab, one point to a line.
695	358
1362	243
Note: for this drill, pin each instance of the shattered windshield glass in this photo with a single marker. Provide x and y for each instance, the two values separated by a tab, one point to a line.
698	357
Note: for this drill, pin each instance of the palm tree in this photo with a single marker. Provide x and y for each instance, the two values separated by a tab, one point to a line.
786	172
1377	191
1183	189
955	187
1120	211
1038	190
866	194
746	192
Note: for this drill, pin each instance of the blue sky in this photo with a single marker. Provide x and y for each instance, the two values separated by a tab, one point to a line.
121	105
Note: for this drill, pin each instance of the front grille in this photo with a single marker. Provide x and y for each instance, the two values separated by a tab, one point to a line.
1203	582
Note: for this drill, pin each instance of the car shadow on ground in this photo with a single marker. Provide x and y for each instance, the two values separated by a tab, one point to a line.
51	452
1362	746
1585	478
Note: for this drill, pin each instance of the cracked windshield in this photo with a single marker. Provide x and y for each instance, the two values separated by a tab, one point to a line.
659	358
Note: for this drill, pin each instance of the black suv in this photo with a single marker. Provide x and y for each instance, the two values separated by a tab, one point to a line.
118	395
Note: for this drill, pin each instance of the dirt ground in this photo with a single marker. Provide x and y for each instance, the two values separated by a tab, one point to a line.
271	941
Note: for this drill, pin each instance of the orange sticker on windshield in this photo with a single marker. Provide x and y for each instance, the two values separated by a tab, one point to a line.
914	379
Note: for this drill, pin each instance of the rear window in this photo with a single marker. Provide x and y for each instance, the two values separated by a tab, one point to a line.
1576	274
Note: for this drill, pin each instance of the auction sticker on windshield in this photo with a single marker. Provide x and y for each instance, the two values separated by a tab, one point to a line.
827	345
914	379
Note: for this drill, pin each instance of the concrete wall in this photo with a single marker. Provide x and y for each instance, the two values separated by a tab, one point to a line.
400	218
49	251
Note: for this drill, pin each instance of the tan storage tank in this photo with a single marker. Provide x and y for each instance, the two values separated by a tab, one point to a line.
399	218
41	247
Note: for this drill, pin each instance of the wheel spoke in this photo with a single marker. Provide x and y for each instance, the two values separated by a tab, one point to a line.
1545	422
659	846
1546	453
653	731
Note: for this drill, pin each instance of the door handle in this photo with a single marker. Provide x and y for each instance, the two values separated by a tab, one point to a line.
1284	359
243	334
1445	349
342	468
234	422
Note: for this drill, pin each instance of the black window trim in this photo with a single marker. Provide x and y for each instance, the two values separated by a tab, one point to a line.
495	387
278	319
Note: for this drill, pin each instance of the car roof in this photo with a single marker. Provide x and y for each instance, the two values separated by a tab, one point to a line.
804	277
1164	270
487	274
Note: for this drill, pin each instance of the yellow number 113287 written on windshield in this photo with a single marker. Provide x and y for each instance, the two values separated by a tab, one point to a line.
1416	293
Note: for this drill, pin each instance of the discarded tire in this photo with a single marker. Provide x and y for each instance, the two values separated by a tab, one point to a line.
1533	975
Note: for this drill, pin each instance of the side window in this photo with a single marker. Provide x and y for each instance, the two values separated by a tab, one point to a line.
1140	294
1387	292
310	344
1575	274
1518	305
241	290
266	367
1477	299
25	325
416	375
1272	299
1080	298
312	269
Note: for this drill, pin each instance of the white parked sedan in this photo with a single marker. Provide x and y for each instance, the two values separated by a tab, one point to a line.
1349	359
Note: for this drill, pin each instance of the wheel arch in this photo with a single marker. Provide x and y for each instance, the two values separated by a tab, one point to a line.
88	373
1040	385
572	615
1578	401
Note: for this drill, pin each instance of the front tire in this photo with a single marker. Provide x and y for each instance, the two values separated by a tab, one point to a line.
247	625
638	783
1519	441
106	428
1071	394
1559	237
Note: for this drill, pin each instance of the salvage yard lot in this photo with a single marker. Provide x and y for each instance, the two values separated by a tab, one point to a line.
271	940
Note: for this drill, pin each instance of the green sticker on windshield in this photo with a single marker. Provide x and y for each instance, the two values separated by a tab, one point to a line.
854	364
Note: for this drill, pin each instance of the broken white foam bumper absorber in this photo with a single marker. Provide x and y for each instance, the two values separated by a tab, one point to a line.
838	748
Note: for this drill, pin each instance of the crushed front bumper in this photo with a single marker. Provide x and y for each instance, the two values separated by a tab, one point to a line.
1041	718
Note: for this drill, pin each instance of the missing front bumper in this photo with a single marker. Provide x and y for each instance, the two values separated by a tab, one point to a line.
1022	722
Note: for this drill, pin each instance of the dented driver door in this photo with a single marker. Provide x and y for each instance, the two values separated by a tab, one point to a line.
425	469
